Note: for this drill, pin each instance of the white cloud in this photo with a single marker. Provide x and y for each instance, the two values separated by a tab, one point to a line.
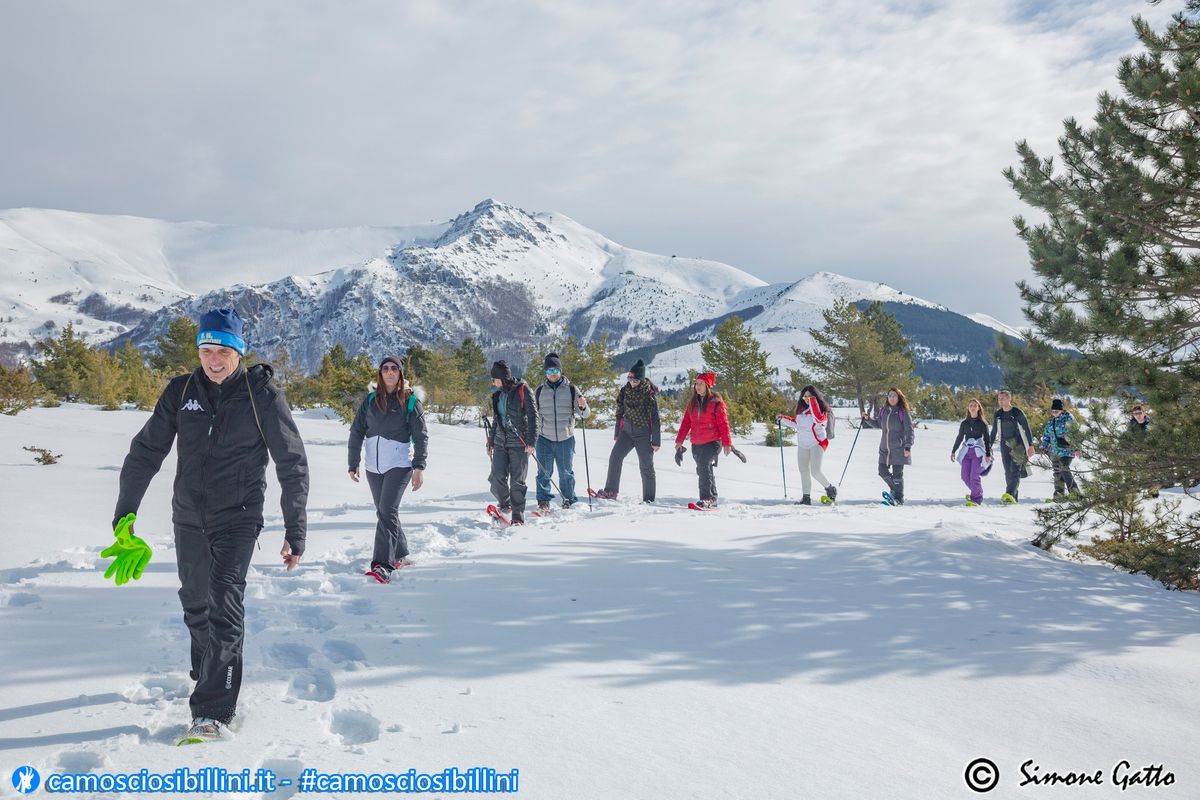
782	137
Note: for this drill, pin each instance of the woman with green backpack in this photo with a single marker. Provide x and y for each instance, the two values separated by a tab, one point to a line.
392	423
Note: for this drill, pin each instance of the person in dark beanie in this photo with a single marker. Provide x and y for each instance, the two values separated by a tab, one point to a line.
224	420
559	404
1056	443
510	443
392	422
706	418
638	428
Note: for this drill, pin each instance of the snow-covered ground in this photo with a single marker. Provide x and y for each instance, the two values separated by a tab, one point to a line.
762	651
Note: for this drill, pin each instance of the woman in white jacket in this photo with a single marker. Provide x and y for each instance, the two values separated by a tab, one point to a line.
812	422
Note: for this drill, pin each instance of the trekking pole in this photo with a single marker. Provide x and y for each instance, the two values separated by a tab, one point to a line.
860	427
782	468
539	463
587	469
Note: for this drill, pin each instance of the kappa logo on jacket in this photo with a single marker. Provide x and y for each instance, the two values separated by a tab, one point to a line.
193	405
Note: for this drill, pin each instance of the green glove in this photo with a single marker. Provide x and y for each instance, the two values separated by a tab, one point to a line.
129	553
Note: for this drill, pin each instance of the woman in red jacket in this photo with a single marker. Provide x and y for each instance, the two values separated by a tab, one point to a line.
707	419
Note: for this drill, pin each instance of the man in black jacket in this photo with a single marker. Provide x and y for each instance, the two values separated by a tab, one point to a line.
1010	429
224	420
510	443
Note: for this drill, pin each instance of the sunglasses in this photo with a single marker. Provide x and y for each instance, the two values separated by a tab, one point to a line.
554	371
389	368
893	396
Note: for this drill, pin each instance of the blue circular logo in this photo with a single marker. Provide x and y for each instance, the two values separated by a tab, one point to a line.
26	779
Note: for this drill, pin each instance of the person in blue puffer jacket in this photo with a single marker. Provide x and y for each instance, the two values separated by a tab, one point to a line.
392	422
1056	444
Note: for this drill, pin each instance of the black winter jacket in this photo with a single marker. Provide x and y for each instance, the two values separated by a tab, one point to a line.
522	418
220	475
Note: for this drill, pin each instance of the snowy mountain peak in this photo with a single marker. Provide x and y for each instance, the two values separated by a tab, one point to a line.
825	287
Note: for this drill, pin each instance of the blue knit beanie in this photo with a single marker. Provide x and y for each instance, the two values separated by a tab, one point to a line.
223	327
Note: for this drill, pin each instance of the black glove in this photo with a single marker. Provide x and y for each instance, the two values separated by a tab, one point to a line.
679	451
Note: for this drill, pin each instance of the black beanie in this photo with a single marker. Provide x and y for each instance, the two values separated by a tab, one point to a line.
1056	404
552	362
500	370
638	370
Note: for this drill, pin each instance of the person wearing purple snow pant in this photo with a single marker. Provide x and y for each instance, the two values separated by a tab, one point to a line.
973	449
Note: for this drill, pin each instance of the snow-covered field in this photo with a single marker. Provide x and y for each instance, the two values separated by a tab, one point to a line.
762	651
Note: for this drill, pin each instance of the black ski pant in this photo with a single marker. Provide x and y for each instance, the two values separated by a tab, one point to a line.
386	490
706	461
1013	472
510	466
212	586
1064	480
632	439
893	478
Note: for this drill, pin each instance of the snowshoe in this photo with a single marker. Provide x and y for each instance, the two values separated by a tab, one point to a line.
971	504
543	509
404	562
826	500
1007	499
203	730
603	494
888	500
495	514
380	573
704	505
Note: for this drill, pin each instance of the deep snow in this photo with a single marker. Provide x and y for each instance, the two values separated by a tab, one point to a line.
765	650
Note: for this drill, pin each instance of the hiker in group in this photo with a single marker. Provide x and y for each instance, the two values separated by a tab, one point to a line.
894	421
813	423
706	418
1010	430
1056	444
972	449
392	423
223	419
559	404
510	440
1139	419
638	427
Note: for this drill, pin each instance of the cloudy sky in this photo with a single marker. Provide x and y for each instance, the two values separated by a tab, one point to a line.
783	137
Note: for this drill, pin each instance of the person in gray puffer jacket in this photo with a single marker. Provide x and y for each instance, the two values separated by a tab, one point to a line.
559	404
895	444
392	422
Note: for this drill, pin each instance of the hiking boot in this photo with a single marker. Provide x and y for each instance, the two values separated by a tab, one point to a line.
805	501
204	729
569	503
380	572
543	505
605	494
831	492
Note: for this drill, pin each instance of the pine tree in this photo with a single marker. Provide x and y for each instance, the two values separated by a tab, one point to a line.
342	381
889	330
62	365
743	374
445	383
850	359
1118	260
101	382
17	390
176	349
588	366
138	384
471	361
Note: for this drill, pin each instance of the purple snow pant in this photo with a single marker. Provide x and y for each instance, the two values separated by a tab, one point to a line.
972	466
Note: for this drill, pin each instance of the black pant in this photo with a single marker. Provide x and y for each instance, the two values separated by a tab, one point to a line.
1013	472
212	578
1064	481
387	490
632	439
706	460
510	466
894	479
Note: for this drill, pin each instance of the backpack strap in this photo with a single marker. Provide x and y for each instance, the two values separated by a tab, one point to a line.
254	407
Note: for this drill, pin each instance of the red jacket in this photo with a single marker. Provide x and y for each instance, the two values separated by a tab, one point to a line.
709	425
810	425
